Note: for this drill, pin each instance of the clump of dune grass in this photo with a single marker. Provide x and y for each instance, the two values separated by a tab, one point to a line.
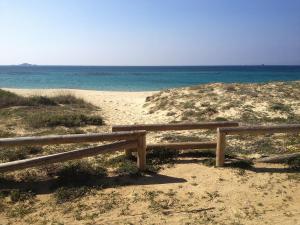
9	99
280	107
123	166
18	153
66	119
78	173
47	112
128	168
17	195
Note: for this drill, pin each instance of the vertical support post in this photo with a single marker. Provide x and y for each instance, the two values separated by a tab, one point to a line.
220	151
141	151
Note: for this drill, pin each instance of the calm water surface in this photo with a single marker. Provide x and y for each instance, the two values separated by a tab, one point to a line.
130	78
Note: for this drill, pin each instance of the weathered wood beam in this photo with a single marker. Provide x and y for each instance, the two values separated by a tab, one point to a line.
174	126
75	138
182	145
289	128
65	156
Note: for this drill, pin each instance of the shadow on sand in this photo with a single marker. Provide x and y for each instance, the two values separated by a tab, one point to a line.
50	185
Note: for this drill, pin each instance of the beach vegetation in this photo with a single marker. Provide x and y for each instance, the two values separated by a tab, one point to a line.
280	107
210	162
10	99
183	138
18	153
127	167
189	105
78	173
219	118
241	163
17	195
38	112
67	194
66	119
294	163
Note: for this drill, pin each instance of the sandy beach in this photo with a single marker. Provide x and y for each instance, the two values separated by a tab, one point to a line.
117	107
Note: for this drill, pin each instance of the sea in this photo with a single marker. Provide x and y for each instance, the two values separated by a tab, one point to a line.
139	78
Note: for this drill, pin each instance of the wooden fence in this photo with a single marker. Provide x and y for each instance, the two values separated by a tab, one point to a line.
176	126
125	140
255	130
133	138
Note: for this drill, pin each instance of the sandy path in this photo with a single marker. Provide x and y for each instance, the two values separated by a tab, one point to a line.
117	107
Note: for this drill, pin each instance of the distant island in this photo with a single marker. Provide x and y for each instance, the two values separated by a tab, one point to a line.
26	64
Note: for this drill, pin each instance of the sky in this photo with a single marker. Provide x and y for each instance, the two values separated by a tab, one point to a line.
150	32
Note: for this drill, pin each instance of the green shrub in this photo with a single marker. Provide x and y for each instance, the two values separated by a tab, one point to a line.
40	100
128	167
67	119
189	105
280	107
69	99
12	154
221	119
18	153
8	99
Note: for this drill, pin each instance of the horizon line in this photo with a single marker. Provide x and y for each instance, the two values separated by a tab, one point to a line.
192	65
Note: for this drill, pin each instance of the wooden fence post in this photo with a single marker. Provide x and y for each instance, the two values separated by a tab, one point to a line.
221	143
141	151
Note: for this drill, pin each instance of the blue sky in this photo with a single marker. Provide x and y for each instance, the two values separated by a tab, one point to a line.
150	32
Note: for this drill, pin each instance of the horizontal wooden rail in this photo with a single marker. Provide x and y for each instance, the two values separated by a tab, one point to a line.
261	129
183	145
64	139
65	156
174	126
256	130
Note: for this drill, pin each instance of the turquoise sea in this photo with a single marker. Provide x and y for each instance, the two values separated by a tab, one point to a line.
138	78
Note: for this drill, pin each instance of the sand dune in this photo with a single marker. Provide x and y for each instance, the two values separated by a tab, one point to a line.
117	107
